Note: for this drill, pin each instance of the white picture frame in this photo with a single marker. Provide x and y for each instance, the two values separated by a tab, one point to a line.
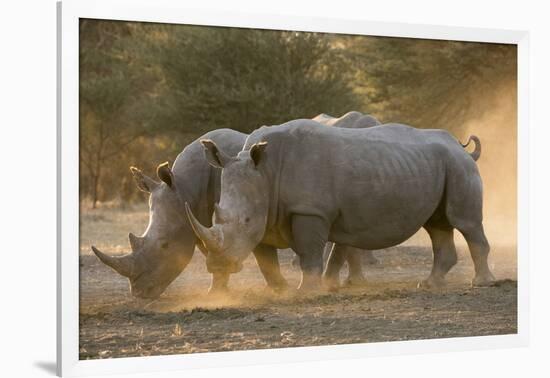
163	11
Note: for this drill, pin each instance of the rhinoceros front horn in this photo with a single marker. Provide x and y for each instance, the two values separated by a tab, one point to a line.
123	265
210	237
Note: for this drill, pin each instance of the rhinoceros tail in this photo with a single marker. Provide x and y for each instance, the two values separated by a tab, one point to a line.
477	150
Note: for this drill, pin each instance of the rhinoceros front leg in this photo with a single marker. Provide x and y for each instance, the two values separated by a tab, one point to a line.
309	234
219	282
268	262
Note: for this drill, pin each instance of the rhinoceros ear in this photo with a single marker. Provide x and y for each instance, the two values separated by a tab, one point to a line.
214	155
165	174
143	182
257	151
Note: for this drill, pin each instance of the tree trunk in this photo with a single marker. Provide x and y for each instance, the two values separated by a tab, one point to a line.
95	190
96	176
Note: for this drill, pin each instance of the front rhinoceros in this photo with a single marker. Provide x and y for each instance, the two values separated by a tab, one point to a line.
301	186
166	247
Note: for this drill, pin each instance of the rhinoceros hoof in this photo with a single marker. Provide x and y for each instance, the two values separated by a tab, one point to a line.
331	284
218	291
309	292
483	280
355	282
371	260
431	283
332	288
280	288
311	287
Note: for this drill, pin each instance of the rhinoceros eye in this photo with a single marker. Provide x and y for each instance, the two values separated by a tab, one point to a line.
247	219
164	245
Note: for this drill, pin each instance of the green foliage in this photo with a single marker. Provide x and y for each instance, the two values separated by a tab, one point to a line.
243	79
429	83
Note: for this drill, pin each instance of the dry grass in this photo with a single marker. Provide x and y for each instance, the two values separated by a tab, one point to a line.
107	227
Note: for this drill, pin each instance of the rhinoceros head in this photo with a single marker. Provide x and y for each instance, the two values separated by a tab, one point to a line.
162	252
240	218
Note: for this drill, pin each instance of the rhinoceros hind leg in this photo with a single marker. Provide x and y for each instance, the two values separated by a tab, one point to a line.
309	236
354	257
337	257
444	255
479	250
464	211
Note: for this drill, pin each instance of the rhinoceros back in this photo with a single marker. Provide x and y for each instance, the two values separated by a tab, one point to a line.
350	120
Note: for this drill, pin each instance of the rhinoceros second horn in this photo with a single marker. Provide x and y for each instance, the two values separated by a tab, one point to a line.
136	242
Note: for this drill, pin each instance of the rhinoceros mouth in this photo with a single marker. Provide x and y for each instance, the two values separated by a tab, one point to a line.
153	293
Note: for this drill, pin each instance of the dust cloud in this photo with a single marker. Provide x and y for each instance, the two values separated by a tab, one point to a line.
497	129
494	120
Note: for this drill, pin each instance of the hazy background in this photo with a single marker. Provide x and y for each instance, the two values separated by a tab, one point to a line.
146	90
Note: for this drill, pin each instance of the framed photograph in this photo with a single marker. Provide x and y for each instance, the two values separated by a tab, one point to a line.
241	189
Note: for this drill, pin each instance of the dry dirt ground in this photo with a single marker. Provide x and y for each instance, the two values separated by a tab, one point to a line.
186	320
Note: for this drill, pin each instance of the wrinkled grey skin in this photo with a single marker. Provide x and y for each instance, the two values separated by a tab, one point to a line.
337	255
166	247
379	187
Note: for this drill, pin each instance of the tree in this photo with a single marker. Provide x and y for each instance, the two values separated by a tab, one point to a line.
112	89
429	83
243	79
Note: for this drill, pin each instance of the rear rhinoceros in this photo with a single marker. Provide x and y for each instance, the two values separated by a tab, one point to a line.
351	255
301	186
168	243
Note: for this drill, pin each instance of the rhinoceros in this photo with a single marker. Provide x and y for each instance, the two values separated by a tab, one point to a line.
301	186
168	243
